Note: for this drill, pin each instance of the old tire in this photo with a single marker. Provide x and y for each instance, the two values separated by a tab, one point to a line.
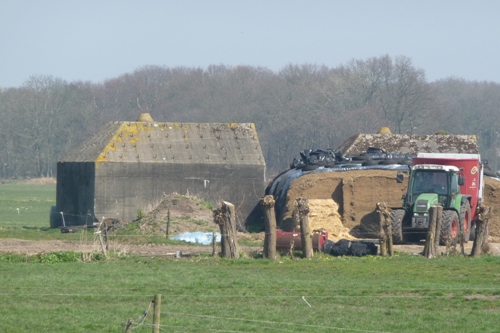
450	227
310	167
465	220
369	162
397	216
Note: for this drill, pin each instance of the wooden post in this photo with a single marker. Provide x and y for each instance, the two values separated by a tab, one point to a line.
429	249
128	328
156	313
388	232
439	223
168	223
386	245
224	216
481	231
305	234
381	232
106	237
102	245
267	204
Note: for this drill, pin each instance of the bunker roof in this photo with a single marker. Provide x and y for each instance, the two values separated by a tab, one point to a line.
146	140
411	144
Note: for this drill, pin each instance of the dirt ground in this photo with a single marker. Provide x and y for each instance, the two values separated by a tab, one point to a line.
191	214
19	246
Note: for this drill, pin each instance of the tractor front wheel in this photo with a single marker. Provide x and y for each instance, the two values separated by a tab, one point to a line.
397	216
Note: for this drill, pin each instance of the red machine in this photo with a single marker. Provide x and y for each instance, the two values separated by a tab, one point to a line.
284	239
470	167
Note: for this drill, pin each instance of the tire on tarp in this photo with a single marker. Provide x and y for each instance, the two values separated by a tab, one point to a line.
369	162
389	162
310	167
360	158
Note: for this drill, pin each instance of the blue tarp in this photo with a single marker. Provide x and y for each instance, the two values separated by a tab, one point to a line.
197	237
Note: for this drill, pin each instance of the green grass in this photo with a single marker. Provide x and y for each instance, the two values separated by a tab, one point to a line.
325	294
67	292
23	205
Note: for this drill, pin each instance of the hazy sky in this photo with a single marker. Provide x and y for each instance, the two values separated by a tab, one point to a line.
94	40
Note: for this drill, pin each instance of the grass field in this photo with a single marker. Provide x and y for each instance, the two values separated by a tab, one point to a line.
369	294
58	293
26	205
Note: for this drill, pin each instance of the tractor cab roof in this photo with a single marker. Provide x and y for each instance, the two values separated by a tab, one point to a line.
436	167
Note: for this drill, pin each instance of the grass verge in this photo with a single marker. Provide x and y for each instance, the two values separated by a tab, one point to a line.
325	294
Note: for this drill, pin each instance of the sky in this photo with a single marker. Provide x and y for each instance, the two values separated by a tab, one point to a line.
95	40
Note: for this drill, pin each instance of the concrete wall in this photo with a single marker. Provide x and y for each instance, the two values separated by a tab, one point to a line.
122	189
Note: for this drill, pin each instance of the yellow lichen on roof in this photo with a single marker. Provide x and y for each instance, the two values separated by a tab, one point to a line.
130	130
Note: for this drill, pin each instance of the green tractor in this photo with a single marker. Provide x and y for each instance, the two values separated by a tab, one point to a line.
439	180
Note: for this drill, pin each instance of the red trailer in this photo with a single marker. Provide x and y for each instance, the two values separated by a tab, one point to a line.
470	167
454	181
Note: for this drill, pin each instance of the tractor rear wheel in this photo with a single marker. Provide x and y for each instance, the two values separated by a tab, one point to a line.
472	235
465	220
397	216
449	229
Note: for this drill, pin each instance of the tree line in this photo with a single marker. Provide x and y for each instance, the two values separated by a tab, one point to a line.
299	107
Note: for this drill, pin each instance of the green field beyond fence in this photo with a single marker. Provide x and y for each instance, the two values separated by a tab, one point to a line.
26	205
60	292
369	294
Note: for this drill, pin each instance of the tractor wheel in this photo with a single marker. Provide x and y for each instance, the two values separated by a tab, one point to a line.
450	226
397	216
465	221
472	229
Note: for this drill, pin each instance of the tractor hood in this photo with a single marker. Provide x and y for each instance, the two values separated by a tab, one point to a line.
424	201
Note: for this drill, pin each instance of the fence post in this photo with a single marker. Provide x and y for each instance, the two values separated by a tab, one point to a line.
224	216
156	313
305	234
381	231
386	245
439	223
102	245
429	249
481	231
168	223
128	328
267	203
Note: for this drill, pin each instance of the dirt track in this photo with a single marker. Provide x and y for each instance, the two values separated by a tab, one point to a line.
19	246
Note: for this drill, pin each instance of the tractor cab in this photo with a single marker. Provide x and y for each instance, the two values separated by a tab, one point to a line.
433	180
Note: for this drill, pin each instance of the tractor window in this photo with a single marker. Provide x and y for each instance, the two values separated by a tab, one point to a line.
455	189
427	181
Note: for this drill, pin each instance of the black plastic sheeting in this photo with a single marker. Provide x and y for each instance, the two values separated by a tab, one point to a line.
325	160
346	247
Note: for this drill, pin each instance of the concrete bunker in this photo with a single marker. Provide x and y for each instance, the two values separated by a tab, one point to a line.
125	168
